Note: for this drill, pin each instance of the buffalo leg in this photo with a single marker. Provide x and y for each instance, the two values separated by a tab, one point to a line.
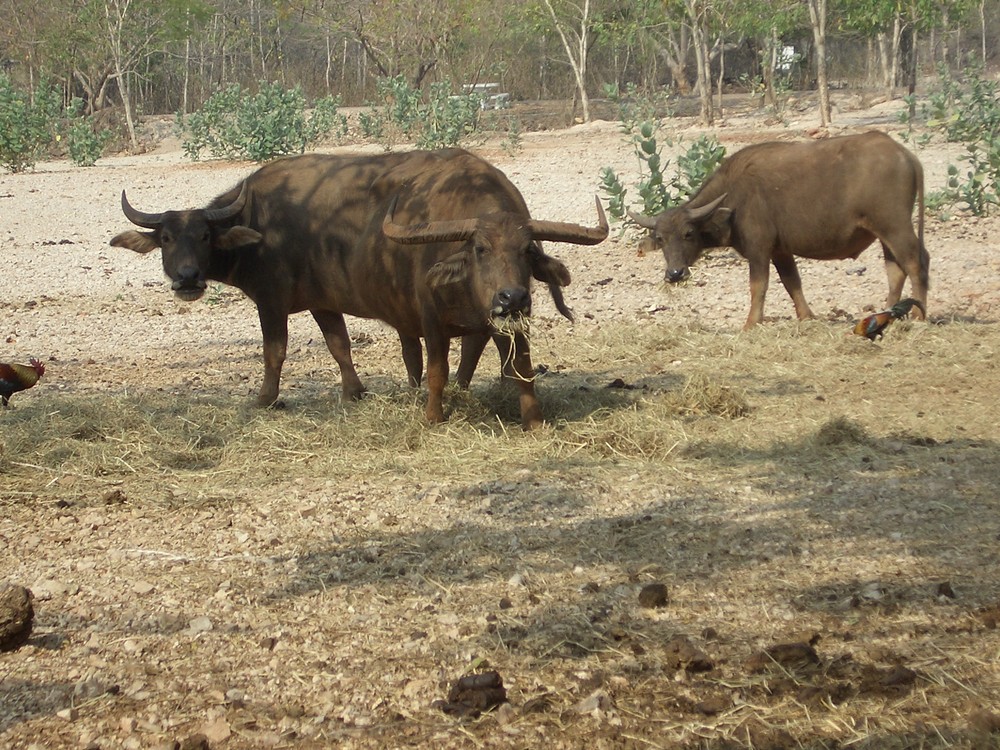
519	369
895	274
472	350
915	264
437	376
413	358
339	343
759	273
788	272
274	327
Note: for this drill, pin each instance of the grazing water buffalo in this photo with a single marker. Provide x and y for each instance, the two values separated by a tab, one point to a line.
826	199
438	244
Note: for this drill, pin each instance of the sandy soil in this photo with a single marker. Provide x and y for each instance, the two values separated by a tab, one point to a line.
126	655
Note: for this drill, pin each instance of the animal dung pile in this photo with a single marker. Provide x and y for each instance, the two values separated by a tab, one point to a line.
475	693
16	617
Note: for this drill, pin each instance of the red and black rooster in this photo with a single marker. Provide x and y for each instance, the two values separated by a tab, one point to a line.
872	326
14	378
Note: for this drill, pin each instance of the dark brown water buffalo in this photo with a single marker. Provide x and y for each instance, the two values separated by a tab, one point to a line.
436	244
826	199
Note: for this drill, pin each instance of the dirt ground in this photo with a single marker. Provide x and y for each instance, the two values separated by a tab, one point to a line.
815	567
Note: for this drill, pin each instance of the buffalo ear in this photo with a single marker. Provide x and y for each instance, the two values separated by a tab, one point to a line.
140	242
449	271
238	236
718	227
547	269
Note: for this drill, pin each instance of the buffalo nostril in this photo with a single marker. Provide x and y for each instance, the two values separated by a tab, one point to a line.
187	274
676	274
512	300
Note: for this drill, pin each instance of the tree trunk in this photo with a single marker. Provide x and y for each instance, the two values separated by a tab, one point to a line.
187	75
769	64
696	16
722	74
817	18
982	25
578	57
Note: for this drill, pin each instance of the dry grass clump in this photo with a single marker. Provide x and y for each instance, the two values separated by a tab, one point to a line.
841	431
703	396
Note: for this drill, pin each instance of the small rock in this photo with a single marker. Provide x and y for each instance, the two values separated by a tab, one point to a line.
142	588
68	714
217	731
944	589
47	589
199	625
596	701
16	617
653	596
86	690
195	742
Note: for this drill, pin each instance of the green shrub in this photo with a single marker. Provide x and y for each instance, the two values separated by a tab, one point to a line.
656	192
447	118
233	124
967	110
435	119
84	139
27	123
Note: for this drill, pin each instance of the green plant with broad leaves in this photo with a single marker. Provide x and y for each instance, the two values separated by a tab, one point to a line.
656	192
966	110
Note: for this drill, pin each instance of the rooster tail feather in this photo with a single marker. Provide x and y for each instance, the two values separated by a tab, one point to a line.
902	308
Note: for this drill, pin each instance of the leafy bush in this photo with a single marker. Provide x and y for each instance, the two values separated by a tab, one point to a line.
967	110
233	124
85	140
27	123
437	119
636	106
447	118
658	193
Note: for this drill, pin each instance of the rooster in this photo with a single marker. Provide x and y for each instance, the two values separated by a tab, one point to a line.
14	378
872	326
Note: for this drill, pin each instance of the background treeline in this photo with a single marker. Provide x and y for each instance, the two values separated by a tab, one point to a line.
166	56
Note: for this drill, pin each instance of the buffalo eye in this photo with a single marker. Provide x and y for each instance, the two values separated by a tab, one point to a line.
688	234
481	250
206	236
166	238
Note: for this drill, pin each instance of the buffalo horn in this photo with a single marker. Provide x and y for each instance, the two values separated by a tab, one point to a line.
646	222
140	219
427	231
227	212
557	231
694	214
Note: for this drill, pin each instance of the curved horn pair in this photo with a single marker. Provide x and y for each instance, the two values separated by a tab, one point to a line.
153	221
694	214
464	229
